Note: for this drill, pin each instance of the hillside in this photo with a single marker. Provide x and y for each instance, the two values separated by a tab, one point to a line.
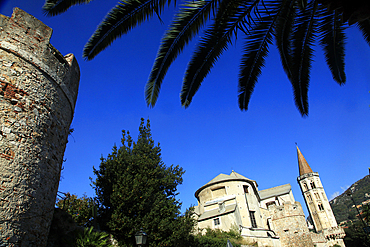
342	205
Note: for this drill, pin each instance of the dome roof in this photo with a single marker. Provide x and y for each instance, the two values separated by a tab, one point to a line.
234	176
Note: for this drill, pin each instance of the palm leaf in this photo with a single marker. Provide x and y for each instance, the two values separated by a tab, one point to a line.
333	41
302	4
121	19
186	24
283	30
228	19
302	41
255	51
56	7
364	26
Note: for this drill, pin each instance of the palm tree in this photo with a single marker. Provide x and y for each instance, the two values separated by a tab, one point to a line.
294	25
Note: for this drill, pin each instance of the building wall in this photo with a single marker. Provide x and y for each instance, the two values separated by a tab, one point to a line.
290	225
246	202
38	91
278	219
278	200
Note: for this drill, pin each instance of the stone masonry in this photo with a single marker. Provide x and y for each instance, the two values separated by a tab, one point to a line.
38	91
290	224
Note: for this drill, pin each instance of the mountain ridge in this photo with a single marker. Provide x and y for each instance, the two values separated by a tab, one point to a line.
343	205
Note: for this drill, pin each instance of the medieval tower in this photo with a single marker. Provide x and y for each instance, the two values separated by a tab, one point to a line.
317	204
38	91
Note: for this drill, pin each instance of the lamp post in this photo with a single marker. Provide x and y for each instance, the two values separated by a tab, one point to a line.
141	237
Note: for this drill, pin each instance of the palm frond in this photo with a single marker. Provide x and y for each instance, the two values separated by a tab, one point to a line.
283	30
255	51
228	19
364	26
186	24
302	4
56	7
302	41
333	41
121	19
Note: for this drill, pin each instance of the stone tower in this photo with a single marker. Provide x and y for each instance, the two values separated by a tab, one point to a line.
290	224
38	91
318	204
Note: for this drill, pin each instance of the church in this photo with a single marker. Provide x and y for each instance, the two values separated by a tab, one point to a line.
269	217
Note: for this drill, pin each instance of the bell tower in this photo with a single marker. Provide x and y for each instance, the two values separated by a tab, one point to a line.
318	203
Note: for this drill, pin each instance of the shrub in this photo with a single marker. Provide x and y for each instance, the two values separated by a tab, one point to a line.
90	238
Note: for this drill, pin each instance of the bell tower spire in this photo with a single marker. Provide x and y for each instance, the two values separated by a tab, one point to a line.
318	204
302	163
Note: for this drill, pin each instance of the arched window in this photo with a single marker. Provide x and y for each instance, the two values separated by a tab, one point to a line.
313	186
317	196
305	186
309	198
321	207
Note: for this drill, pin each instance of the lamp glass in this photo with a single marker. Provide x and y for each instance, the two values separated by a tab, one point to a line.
140	237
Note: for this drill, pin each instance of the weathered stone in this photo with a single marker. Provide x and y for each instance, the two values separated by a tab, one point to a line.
38	89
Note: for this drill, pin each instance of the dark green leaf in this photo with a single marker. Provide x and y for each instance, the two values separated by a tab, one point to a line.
121	19
56	7
187	23
228	20
302	42
333	41
364	26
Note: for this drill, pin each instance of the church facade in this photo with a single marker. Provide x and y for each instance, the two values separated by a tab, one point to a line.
269	217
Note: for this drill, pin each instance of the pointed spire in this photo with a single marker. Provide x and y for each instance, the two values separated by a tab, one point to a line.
302	163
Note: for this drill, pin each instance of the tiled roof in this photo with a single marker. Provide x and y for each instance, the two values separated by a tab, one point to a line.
234	176
302	163
223	177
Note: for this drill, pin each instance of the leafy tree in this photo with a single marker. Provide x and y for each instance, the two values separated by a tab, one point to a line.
366	213
355	235
81	209
294	24
136	190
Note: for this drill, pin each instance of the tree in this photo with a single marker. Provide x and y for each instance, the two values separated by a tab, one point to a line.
134	189
219	238
366	213
295	25
355	235
81	209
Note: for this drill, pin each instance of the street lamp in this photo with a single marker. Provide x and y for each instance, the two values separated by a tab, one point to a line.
140	237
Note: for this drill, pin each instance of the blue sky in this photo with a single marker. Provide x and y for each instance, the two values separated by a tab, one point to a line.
212	136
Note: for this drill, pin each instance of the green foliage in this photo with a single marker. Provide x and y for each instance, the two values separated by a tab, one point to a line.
344	211
366	213
342	205
355	235
90	238
136	190
218	238
81	209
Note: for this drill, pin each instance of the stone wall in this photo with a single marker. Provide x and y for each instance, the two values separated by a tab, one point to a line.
38	91
290	225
